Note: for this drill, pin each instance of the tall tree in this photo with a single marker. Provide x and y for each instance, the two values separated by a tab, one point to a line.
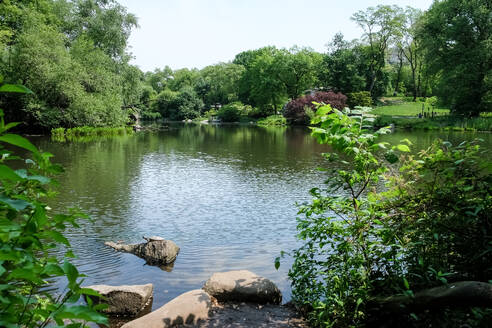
296	69
457	38
72	54
409	46
219	83
343	67
381	25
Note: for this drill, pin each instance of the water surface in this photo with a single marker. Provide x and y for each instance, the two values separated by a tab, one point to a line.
225	194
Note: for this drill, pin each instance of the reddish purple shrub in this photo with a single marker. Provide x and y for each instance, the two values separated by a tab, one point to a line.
295	110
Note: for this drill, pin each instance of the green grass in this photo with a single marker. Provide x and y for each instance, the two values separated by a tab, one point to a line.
405	108
448	123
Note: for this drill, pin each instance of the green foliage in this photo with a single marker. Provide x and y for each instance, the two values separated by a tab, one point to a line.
344	68
361	98
456	123
273	120
400	107
72	56
430	223
219	83
457	38
79	133
229	113
440	206
176	106
331	273
380	24
28	231
296	69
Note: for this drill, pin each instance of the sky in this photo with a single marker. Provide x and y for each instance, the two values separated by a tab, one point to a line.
197	33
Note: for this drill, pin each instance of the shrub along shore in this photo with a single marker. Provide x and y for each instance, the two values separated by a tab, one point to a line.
86	133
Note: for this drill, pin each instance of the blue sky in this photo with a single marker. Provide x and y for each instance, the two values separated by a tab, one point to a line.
197	33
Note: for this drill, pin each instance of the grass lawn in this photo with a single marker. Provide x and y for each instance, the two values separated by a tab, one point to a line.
404	108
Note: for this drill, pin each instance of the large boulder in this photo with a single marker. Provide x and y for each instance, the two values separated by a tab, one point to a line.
242	286
156	251
188	308
127	301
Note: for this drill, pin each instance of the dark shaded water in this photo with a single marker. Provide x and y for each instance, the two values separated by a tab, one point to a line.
226	195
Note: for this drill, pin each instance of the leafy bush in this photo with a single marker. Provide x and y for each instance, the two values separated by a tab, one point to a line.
430	225
28	231
444	212
177	106
273	120
151	116
361	98
80	133
295	110
229	113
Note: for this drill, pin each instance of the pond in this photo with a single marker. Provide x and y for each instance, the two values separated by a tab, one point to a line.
225	194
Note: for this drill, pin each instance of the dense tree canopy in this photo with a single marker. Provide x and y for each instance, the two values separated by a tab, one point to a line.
73	55
457	37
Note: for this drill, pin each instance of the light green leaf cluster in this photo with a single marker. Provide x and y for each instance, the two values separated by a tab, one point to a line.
28	231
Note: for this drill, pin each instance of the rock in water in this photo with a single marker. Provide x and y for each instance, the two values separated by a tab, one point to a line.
242	286
128	301
156	251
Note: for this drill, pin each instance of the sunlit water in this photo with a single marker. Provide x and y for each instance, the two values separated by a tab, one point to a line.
225	194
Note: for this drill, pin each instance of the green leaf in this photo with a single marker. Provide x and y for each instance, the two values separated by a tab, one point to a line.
81	312
9	126
57	236
71	272
42	179
403	148
26	274
408	142
18	141
16	204
17	88
89	291
9	174
406	284
391	157
53	270
277	263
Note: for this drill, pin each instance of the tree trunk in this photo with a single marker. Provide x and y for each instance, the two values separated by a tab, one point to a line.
398	76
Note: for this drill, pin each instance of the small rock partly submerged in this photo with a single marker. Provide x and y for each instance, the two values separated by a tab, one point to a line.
156	251
126	300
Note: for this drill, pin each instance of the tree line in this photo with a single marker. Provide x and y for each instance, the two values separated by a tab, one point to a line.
73	55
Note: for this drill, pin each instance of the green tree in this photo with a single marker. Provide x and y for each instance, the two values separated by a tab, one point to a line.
219	83
296	70
159	79
72	55
105	22
381	25
343	67
409	47
175	106
260	85
457	38
183	78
